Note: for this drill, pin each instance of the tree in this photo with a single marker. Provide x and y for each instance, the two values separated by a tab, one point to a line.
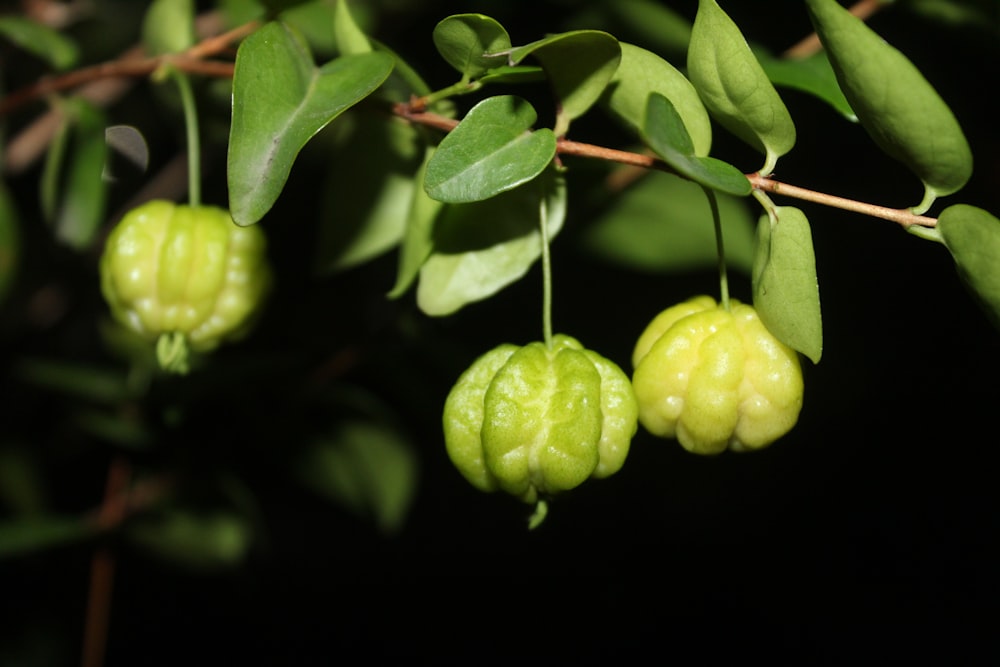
435	183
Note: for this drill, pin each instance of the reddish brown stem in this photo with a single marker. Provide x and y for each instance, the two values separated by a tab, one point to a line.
102	568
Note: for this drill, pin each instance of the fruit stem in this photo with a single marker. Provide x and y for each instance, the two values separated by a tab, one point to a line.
713	202
191	125
172	352
543	226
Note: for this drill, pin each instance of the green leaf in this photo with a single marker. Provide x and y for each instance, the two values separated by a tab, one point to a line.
785	287
10	242
73	192
280	101
418	239
664	132
579	65
80	380
482	247
734	87
642	73
41	41
168	26
369	186
351	39
663	224
812	74
19	537
972	236
464	40
205	541
895	104
491	151
369	468
518	74
659	26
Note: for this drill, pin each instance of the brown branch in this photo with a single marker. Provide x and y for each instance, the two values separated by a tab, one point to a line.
902	216
133	64
566	147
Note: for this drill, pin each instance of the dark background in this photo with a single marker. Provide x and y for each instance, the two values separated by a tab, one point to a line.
865	536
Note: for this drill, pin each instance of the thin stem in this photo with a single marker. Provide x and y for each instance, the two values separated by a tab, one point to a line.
904	217
95	635
546	273
193	142
720	248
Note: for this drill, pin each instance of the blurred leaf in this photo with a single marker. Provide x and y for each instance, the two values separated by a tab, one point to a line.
280	100
663	223
367	467
41	41
128	142
72	190
664	132
482	247
641	73
128	432
418	238
972	236
657	25
370	185
895	104
82	381
812	75
315	21
168	26
10	242
734	87
19	537
21	482
579	65
491	151
205	541
785	287
464	40
351	39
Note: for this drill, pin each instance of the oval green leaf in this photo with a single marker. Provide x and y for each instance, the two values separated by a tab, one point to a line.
350	38
785	287
641	73
664	132
734	87
579	64
465	40
280	101
482	247
41	41
812	75
418	241
972	236
491	151
897	106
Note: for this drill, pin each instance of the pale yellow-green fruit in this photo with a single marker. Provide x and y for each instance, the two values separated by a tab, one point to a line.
537	420
715	379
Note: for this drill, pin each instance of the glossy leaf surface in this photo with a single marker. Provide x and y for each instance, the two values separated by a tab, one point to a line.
898	107
280	101
972	236
464	40
579	65
785	287
734	87
491	151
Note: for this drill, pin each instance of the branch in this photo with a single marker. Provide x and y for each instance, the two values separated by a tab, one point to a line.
566	147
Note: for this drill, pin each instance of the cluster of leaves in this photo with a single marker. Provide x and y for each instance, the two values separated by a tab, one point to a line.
462	195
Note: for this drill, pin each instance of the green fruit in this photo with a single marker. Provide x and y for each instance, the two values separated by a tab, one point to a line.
538	420
715	378
187	277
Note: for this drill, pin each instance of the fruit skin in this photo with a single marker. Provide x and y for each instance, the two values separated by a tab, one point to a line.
715	379
176	269
537	420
